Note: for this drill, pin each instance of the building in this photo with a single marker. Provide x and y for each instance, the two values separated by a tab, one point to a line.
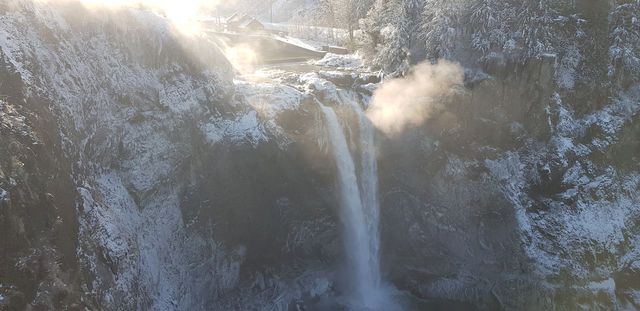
251	25
244	23
236	19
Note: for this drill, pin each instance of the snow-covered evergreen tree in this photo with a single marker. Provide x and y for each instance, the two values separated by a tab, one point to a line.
624	53
324	13
443	27
492	22
391	28
383	43
373	23
537	22
474	31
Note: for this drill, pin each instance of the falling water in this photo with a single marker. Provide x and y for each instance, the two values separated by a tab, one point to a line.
369	189
359	209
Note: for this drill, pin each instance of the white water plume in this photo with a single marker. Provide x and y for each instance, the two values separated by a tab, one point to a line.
359	211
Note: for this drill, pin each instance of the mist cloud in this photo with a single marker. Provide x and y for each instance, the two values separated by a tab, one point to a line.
410	101
242	57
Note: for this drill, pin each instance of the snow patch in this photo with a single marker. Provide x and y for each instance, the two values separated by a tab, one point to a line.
87	199
270	99
317	85
335	74
212	132
307	44
608	285
150	248
4	195
245	128
566	69
371	87
343	62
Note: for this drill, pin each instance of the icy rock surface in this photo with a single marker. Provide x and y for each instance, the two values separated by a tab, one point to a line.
162	182
135	105
524	201
175	174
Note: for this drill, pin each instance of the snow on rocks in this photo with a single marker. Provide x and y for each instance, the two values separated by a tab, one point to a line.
4	195
370	87
148	249
125	99
315	84
270	99
590	193
246	127
336	75
343	62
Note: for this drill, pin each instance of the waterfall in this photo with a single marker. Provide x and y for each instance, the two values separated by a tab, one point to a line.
358	209
369	188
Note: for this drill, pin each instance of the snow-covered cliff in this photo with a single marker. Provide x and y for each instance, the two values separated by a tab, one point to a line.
128	102
527	194
136	172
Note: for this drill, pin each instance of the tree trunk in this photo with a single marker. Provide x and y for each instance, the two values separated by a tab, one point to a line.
351	41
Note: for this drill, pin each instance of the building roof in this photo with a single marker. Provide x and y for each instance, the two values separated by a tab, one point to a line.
251	22
239	18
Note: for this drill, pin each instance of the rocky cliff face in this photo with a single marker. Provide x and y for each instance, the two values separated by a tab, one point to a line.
519	202
528	189
137	173
37	200
103	118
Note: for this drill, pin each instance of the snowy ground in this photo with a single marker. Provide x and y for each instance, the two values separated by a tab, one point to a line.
341	62
332	36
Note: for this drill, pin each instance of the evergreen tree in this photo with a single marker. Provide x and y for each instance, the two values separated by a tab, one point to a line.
624	53
443	27
492	23
392	28
537	21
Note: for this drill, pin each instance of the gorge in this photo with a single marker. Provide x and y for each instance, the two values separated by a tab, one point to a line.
139	170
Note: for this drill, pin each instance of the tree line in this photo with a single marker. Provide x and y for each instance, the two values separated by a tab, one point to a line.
393	34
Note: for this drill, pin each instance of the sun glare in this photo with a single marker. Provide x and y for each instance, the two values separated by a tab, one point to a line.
182	14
